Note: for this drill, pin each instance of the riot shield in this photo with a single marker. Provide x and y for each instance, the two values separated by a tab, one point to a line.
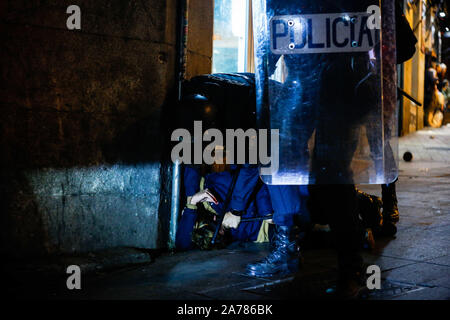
390	102
319	85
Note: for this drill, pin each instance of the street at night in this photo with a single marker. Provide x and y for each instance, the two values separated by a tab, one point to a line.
207	155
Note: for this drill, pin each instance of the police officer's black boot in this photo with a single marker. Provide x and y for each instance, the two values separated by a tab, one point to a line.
349	233
351	271
352	284
390	209
283	259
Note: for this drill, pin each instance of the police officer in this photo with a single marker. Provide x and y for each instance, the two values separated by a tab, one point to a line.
331	94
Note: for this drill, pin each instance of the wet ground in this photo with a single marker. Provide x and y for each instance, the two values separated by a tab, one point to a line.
415	264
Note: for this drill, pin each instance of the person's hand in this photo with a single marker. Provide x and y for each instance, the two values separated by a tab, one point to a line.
202	196
231	221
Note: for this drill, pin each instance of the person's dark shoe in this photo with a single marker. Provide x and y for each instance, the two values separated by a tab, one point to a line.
351	283
389	229
390	204
283	259
352	286
390	210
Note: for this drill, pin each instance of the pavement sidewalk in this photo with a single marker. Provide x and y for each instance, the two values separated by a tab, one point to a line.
415	264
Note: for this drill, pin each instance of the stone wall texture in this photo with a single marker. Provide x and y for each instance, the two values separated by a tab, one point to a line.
81	138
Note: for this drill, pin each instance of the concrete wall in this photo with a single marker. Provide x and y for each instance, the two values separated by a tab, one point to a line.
200	37
82	140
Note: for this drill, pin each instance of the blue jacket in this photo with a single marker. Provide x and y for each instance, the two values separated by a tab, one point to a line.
249	196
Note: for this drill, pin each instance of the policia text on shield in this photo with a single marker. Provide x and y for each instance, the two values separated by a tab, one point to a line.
296	34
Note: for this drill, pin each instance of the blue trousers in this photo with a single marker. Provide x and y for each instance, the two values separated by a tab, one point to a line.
289	204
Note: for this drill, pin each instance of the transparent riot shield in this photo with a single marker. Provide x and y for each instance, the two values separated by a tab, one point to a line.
390	102
319	88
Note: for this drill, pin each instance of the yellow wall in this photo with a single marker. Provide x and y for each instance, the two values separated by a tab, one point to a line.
414	72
